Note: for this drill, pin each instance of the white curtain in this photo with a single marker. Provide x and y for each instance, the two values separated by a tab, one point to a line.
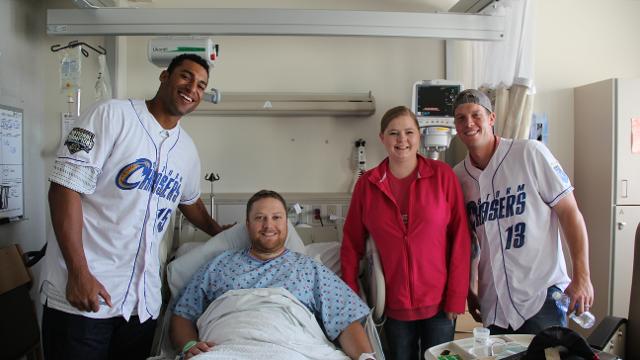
504	69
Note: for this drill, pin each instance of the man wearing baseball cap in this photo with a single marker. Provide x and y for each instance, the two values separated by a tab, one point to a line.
517	198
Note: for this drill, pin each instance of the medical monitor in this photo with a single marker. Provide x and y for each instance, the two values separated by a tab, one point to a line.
433	102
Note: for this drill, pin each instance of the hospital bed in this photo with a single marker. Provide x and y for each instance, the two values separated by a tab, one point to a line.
187	251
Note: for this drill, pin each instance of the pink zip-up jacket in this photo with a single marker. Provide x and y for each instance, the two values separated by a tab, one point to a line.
425	264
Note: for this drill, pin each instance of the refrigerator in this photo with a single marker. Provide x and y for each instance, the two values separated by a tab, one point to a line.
607	185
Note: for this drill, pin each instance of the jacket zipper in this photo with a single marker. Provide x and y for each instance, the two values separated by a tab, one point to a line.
405	238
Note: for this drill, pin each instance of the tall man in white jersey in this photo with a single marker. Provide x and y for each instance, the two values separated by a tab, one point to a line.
517	198
116	181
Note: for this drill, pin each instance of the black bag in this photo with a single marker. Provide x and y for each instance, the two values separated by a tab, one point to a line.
572	345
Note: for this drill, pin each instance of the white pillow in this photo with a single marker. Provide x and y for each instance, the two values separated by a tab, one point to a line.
180	270
326	253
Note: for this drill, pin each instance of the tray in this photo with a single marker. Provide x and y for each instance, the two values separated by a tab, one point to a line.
464	347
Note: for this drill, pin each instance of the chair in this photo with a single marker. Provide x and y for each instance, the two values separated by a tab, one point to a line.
617	335
19	331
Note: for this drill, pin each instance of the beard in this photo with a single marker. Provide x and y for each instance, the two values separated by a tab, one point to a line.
268	248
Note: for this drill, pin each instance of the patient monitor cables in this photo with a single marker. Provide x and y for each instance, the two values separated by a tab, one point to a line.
361	162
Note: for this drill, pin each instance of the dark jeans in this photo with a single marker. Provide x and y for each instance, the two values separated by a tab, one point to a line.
68	336
408	340
549	315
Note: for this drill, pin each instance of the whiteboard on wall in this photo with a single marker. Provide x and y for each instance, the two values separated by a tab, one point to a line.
11	164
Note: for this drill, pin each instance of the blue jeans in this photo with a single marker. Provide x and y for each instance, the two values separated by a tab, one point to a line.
549	315
408	340
69	336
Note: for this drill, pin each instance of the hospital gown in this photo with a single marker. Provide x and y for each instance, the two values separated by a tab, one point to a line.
332	302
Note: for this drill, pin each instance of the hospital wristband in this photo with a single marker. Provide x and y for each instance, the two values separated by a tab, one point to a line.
367	356
188	346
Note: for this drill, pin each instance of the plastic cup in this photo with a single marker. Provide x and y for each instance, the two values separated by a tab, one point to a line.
481	352
480	337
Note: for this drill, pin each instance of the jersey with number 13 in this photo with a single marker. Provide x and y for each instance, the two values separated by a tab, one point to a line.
509	205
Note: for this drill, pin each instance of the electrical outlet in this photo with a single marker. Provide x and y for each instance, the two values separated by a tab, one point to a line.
332	210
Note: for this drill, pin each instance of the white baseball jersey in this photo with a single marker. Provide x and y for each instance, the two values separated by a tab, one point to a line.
132	174
509	205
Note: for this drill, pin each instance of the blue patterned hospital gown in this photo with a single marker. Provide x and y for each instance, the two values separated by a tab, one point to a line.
332	302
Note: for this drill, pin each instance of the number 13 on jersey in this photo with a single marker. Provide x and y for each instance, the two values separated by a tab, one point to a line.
515	236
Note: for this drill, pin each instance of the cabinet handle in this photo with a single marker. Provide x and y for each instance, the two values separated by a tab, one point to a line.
621	225
625	189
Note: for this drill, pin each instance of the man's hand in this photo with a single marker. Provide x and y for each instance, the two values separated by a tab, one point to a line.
199	348
580	290
197	214
474	306
451	315
84	292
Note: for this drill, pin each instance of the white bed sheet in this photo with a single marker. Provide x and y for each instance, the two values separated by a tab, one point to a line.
249	323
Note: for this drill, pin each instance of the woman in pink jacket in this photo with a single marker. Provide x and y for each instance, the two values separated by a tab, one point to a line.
413	209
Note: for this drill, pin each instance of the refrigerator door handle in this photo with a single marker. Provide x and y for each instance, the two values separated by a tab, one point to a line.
625	189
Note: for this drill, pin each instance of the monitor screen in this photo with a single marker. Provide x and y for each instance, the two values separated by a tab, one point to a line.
435	100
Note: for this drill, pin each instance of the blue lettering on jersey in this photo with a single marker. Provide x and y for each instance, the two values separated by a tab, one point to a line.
561	174
162	218
140	175
497	207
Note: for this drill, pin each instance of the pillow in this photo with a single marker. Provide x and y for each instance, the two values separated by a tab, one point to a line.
180	270
326	253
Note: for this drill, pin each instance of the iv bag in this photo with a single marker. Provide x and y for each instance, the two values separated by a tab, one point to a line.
70	69
103	83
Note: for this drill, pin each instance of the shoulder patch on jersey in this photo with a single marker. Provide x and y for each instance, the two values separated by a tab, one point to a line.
561	174
80	139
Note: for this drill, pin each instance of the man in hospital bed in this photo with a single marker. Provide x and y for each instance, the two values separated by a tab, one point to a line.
266	301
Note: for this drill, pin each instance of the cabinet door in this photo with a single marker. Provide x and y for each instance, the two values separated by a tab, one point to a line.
627	164
626	221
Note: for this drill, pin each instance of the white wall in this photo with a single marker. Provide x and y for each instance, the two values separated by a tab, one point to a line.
579	42
295	154
22	86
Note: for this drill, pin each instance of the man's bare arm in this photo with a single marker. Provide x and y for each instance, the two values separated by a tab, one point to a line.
580	290
83	289
197	214
354	341
182	331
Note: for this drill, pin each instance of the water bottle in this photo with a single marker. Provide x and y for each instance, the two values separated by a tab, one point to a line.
585	320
